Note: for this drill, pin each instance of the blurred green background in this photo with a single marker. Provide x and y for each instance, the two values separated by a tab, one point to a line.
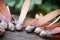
36	6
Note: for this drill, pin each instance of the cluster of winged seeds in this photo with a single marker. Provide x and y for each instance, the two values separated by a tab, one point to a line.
39	25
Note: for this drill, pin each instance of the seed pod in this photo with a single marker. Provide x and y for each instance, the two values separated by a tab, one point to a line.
19	27
2	30
45	35
30	28
11	27
38	30
23	14
3	24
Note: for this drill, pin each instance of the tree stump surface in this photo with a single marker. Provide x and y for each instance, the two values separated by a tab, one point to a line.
20	35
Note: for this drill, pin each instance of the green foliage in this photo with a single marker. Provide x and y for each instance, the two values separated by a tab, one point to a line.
18	3
36	6
10	3
48	35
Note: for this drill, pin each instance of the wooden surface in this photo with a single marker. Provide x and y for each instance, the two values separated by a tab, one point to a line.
20	35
